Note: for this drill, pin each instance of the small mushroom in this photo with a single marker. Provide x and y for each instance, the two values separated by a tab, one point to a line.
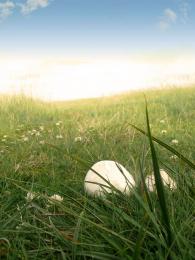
166	179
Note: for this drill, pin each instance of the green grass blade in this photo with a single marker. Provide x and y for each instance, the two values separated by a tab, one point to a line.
159	185
138	246
76	233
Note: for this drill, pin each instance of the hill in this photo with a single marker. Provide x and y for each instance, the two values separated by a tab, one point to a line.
47	148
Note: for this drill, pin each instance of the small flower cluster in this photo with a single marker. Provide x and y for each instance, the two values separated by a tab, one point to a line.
59	136
25	138
174	141
56	197
32	195
174	157
59	123
163	131
78	139
4	139
34	132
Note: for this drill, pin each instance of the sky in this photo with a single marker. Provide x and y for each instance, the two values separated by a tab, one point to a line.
105	44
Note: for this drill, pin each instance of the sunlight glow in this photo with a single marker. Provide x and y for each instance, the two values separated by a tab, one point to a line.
60	79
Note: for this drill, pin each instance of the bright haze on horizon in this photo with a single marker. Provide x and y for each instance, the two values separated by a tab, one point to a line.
69	49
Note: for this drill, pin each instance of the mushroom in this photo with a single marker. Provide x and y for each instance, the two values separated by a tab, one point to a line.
166	179
104	175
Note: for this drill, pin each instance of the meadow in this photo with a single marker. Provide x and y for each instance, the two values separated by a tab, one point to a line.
47	149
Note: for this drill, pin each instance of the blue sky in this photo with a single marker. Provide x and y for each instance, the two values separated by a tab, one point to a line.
96	27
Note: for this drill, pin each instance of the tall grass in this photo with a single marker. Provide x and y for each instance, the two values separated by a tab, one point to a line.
141	226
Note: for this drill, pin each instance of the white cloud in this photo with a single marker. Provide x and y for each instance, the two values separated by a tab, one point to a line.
8	6
184	8
169	17
31	5
6	9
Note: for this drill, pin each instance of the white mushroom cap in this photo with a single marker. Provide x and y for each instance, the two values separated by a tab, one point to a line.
166	179
111	171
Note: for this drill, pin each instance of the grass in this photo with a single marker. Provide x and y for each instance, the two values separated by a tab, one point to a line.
47	148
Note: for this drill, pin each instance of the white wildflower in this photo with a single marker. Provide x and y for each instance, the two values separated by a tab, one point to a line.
173	157
25	139
59	136
163	131
58	123
34	131
174	141
5	136
162	121
30	196
42	142
78	139
37	134
56	197
41	128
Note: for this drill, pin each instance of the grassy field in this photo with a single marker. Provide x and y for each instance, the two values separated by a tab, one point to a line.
47	148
